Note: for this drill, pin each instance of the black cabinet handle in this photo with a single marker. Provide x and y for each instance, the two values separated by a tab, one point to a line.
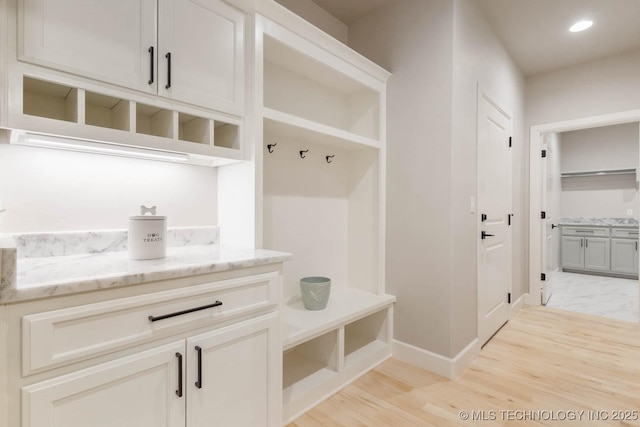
636	246
180	313
581	242
586	243
179	390
484	235
168	56
199	382
151	64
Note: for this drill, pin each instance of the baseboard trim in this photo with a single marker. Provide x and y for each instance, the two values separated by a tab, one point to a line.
448	367
519	304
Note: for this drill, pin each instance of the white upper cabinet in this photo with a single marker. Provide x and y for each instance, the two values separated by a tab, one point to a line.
103	40
205	40
187	50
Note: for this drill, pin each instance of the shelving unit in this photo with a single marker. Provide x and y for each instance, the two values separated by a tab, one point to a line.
82	113
297	85
323	118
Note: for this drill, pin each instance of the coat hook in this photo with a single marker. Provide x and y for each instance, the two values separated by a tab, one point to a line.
270	147
303	153
330	157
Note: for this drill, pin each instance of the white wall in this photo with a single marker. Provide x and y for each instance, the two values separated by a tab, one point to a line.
606	147
479	57
437	52
54	190
609	147
413	40
600	87
319	17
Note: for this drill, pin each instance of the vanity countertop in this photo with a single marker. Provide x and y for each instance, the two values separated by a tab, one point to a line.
64	272
600	222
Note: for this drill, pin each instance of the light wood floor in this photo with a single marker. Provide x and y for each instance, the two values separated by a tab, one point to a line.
543	360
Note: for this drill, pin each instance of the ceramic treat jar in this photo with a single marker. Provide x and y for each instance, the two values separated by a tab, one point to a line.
147	235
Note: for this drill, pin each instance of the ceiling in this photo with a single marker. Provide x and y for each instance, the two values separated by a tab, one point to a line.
535	32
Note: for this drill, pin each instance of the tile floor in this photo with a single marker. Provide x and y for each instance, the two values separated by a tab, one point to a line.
601	296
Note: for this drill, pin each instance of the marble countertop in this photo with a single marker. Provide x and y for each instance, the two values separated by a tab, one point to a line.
41	277
600	222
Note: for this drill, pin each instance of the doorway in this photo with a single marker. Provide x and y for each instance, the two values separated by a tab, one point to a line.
590	234
542	252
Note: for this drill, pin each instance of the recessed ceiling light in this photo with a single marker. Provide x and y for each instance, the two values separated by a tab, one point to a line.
580	26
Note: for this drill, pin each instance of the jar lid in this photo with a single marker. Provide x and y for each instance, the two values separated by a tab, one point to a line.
148	218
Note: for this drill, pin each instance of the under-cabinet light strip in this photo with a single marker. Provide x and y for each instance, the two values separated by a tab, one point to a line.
85	146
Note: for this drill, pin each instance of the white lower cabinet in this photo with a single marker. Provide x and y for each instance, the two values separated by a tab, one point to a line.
135	391
229	377
234	375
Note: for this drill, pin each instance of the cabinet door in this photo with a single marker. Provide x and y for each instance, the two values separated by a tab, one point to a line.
134	391
235	375
572	252
103	40
596	253
206	41
624	256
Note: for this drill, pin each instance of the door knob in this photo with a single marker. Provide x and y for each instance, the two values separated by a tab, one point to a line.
484	235
553	226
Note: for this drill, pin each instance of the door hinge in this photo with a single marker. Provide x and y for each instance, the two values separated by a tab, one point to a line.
543	215
510	141
483	217
544	153
509	219
509	298
543	276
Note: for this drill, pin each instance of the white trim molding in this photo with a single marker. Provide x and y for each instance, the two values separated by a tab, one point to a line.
535	178
518	305
436	363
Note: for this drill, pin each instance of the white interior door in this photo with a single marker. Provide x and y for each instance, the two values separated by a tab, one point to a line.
549	247
494	208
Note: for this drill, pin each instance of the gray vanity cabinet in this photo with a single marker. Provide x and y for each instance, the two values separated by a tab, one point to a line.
572	252
586	248
624	251
597	253
600	250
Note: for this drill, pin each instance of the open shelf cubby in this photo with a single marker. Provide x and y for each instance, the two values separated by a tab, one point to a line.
226	135
107	111
296	84
155	121
309	364
194	129
50	100
364	336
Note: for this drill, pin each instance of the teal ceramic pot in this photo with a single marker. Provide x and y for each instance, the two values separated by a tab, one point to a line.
315	292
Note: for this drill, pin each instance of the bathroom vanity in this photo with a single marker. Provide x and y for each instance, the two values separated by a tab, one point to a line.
600	246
